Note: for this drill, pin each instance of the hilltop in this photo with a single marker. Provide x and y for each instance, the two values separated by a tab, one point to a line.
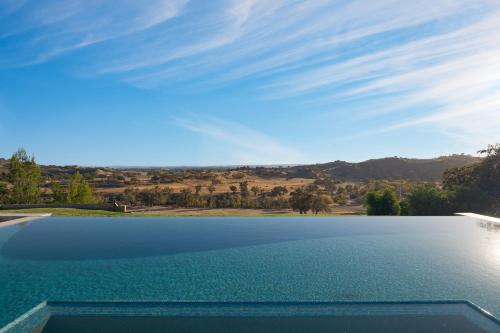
391	168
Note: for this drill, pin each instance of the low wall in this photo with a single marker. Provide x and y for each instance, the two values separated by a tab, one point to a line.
109	207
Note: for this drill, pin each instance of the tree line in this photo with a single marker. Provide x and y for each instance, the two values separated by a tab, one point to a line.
24	177
474	188
303	200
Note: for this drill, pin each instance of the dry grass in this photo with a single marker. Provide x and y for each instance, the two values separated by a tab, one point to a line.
263	183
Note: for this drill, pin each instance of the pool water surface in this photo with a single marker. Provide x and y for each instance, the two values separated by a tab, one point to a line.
249	259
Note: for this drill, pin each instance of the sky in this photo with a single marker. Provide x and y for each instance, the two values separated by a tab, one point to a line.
195	82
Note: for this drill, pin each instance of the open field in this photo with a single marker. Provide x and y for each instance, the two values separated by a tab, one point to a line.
344	210
223	187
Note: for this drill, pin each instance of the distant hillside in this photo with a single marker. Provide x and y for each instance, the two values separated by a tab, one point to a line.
384	168
389	168
4	164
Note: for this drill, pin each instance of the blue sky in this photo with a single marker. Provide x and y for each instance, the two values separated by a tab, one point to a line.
194	82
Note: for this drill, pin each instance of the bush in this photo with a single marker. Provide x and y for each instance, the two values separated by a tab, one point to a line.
382	203
428	201
405	208
470	199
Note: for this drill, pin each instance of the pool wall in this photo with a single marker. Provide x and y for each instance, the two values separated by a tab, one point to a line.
35	320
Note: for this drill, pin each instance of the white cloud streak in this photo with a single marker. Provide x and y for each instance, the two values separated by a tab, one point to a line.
50	28
243	145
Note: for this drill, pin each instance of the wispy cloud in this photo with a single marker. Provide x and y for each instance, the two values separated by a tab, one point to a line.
242	144
50	28
404	54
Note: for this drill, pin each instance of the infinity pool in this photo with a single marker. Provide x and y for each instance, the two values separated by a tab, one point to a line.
366	259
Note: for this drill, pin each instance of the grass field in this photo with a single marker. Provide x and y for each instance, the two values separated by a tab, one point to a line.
63	212
182	212
263	183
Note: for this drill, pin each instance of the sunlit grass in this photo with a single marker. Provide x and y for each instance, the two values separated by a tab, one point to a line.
173	212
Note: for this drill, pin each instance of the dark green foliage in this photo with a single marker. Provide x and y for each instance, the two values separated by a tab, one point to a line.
233	189
405	208
301	200
382	203
470	199
476	188
429	201
4	193
244	189
278	191
488	172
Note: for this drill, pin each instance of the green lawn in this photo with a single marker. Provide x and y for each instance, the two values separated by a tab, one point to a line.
63	212
177	212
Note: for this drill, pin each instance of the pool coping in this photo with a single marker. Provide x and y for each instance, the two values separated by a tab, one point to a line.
480	217
21	218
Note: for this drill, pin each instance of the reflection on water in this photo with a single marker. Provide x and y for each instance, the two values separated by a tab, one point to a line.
492	241
104	238
490	226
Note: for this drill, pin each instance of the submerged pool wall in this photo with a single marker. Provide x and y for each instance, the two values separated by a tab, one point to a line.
50	317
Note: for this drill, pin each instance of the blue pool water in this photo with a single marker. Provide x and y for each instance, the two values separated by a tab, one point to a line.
249	259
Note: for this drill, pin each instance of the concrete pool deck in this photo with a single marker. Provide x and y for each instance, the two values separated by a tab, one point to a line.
16	218
480	217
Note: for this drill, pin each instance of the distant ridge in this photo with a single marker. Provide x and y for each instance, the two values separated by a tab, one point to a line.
383	168
391	168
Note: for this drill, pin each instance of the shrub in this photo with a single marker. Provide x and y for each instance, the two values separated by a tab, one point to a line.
428	201
382	203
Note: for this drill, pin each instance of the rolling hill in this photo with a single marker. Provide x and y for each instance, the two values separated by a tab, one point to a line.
390	168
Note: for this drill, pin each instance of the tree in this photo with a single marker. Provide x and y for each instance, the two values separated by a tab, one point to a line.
476	187
488	171
197	189
79	190
485	174
131	195
4	193
255	190
211	189
301	200
464	176
187	198
59	194
428	201
321	203
278	191
382	203
470	199
405	209
25	177
233	189
244	189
